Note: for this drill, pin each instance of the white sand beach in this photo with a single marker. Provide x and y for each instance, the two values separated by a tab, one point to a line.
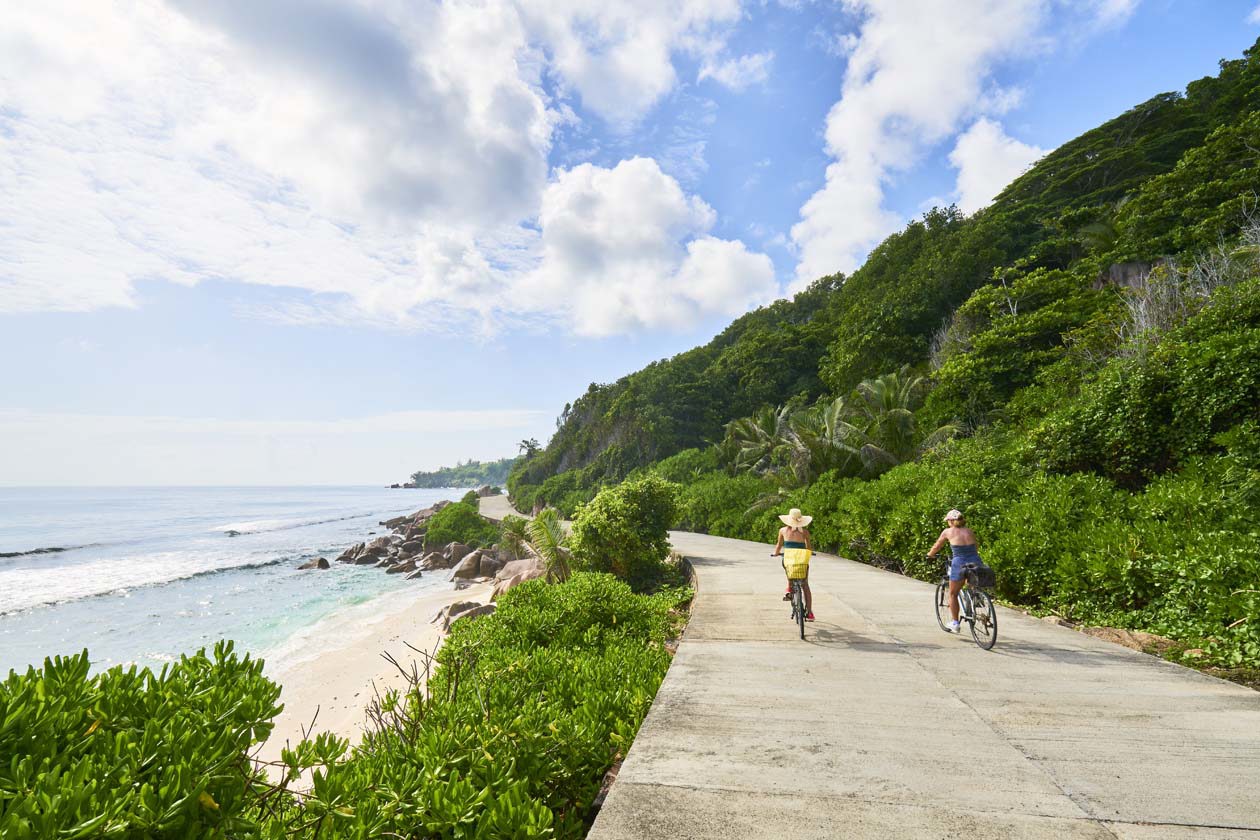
336	667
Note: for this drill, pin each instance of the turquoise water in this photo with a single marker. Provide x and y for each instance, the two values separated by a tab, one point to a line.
141	575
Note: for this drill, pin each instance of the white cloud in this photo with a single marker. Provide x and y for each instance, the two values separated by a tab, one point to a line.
625	248
388	157
617	54
83	449
916	72
1254	17
738	73
1111	12
987	159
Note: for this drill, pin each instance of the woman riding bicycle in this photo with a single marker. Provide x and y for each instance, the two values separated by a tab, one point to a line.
962	545
794	535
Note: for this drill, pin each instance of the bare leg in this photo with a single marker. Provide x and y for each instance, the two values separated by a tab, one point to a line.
809	596
954	587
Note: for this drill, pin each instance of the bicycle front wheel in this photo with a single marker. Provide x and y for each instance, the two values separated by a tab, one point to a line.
942	605
984	626
800	610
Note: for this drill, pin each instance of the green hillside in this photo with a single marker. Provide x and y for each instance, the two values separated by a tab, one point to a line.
466	474
1077	366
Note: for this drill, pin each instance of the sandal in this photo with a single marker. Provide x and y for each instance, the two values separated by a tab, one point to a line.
809	616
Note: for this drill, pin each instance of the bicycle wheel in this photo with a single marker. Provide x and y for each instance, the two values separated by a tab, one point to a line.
942	605
984	625
798	596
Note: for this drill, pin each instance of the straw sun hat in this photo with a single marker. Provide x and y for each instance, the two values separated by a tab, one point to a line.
794	518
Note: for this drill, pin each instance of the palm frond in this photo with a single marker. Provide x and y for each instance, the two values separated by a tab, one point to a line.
547	539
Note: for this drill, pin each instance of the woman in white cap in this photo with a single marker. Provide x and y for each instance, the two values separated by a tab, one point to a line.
962	545
794	535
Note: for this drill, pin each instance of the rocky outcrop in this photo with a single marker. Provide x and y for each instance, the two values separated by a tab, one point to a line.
317	563
468	567
444	614
460	610
406	551
433	560
475	612
521	566
485	490
351	553
515	573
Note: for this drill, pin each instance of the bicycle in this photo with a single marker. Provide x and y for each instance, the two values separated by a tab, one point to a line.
975	605
798	600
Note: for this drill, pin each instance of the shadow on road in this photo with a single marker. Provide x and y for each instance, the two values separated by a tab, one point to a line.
825	636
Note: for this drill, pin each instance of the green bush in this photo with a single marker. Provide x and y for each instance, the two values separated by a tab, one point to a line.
1146	415
460	523
720	504
625	530
688	465
130	753
471	498
527	710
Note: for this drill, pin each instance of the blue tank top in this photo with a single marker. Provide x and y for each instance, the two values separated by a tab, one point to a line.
964	553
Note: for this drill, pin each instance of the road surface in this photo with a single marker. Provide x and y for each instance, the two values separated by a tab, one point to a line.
879	725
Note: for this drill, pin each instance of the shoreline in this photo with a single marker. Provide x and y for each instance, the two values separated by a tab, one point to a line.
332	670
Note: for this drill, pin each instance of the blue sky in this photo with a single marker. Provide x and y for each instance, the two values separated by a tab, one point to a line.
333	241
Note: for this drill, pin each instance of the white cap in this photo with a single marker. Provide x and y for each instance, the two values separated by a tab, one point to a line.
953	514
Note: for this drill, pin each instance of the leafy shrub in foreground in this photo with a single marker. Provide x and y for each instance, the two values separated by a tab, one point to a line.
461	523
130	753
527	710
625	530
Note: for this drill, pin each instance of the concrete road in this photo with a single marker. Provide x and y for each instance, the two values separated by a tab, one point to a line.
879	725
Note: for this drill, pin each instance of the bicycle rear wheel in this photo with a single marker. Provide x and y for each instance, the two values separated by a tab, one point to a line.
942	605
798	606
984	625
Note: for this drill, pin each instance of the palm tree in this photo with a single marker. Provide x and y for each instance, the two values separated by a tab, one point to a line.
821	439
547	538
885	409
528	447
758	439
866	434
543	536
514	535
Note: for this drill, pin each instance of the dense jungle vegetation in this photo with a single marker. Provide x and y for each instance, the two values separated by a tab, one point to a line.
1077	366
466	474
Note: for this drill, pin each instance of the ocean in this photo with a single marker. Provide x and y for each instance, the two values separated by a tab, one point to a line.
141	575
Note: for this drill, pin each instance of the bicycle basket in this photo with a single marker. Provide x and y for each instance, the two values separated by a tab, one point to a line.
980	575
796	562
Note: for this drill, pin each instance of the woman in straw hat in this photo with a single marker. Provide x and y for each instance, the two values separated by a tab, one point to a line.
794	535
962	545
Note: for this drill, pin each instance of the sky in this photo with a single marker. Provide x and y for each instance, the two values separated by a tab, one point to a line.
337	241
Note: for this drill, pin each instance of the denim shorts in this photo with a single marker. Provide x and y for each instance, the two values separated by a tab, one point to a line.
956	567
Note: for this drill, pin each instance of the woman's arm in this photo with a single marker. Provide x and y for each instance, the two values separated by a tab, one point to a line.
809	542
940	541
778	546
